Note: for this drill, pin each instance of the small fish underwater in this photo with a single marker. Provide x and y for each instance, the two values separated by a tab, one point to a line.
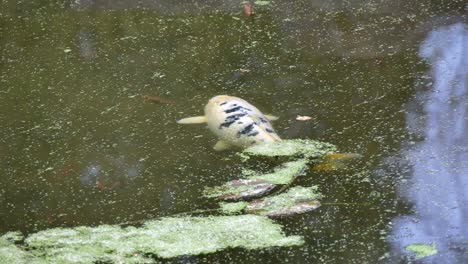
236	122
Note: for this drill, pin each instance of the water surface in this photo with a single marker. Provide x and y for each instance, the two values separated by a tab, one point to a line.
79	145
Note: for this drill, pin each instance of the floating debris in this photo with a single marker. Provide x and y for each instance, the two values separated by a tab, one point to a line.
422	250
303	118
157	99
295	201
165	238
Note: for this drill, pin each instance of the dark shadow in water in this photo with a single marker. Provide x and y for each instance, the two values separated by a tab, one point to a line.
438	185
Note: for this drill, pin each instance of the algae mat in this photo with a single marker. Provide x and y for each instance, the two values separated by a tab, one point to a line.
165	238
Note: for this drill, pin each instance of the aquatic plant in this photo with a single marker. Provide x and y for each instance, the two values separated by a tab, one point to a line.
310	149
422	250
253	184
10	253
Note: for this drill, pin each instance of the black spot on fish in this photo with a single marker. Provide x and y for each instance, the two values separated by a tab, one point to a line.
263	120
247	129
231	119
253	134
240	123
269	130
253	142
223	103
234	109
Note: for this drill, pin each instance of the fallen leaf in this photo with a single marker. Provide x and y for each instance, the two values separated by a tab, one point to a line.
247	9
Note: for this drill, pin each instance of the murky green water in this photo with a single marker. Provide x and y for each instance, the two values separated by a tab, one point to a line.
79	145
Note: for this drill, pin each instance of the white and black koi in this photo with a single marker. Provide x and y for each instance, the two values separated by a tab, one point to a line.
236	122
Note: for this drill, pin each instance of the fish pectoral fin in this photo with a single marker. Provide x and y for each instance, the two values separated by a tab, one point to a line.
271	117
193	120
221	145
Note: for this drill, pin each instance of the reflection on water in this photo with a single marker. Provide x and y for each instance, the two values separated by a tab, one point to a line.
110	172
439	185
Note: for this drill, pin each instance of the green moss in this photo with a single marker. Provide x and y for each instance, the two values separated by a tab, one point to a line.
290	147
166	238
295	200
422	250
232	208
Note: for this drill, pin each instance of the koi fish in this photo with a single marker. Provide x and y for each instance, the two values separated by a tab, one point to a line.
236	122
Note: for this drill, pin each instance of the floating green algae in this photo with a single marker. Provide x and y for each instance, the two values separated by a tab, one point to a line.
262	3
422	250
290	147
239	189
285	173
232	208
296	200
12	237
254	184
165	238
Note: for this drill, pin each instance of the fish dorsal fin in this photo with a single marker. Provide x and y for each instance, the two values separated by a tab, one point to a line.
193	120
271	117
221	145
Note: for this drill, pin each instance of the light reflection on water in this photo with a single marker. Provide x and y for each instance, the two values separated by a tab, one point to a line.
439	185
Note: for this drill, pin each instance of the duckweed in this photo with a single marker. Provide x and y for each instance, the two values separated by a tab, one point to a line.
10	253
285	173
232	208
165	238
239	189
290	147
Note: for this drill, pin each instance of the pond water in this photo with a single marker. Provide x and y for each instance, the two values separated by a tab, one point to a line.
386	79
